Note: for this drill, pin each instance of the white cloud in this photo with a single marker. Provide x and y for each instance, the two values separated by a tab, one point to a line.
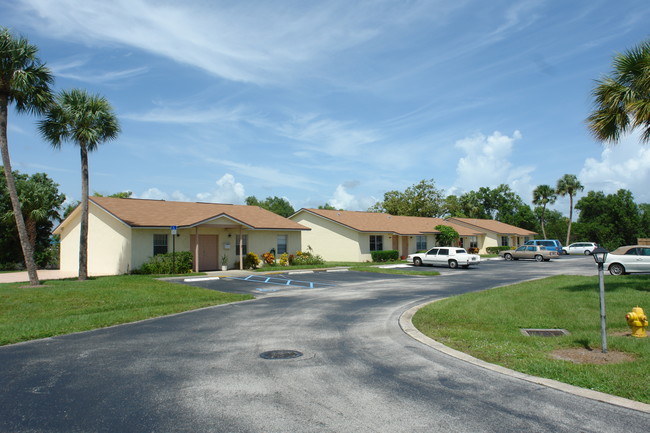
73	69
625	165
342	199
241	41
187	115
152	194
487	163
227	191
332	137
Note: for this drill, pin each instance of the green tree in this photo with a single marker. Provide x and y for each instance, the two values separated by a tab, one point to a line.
622	99
87	121
447	236
422	199
544	195
327	206
611	220
277	205
25	83
40	202
569	185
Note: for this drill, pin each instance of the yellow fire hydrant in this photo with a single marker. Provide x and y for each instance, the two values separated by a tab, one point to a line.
637	321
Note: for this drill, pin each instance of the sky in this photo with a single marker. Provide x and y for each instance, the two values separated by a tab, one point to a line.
333	101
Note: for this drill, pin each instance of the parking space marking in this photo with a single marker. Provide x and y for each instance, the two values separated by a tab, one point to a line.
281	281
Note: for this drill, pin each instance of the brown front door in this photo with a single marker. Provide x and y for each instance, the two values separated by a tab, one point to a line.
405	246
208	252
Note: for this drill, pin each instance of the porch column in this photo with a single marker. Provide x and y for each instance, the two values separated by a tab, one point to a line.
241	250
196	249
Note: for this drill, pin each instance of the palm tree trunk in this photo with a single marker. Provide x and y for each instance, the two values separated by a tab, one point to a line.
568	233
83	235
28	253
543	229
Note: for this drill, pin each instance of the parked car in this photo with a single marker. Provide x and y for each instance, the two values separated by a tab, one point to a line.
630	258
550	244
535	252
445	256
580	248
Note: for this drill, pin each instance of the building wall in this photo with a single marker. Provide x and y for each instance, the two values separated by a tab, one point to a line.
332	241
108	244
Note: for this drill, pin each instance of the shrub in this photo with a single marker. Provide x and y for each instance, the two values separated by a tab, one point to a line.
164	264
268	258
472	250
284	259
495	250
251	261
384	256
307	258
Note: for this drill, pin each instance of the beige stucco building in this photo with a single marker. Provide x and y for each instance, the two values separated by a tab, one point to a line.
339	235
495	233
124	233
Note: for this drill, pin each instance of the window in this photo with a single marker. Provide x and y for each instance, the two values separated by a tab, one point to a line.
376	243
420	243
282	244
443	252
159	244
473	242
504	241
244	246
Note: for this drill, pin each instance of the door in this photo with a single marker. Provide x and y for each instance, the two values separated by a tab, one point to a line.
208	252
405	246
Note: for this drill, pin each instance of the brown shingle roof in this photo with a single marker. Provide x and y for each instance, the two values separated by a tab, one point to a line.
159	213
381	222
493	226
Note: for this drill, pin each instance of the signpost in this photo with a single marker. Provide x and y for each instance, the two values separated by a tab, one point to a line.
174	248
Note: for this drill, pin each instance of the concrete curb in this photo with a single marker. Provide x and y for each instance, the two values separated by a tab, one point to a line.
405	322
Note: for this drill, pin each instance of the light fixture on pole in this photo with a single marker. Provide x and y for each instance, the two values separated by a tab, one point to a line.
600	255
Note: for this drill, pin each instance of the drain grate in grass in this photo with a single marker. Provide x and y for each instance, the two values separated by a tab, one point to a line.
544	332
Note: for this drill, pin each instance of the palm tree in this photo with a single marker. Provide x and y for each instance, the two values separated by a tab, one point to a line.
569	185
542	196
86	120
25	82
622	100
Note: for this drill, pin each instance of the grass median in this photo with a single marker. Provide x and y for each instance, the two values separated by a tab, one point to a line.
487	325
66	306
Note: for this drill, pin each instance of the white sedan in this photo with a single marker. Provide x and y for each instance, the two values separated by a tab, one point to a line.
445	256
631	258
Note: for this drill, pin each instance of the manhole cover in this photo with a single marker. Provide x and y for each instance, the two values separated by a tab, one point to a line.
544	332
281	354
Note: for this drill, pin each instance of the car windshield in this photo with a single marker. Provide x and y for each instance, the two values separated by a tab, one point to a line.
433	251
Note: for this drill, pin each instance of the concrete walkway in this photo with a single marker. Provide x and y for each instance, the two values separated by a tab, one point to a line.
43	274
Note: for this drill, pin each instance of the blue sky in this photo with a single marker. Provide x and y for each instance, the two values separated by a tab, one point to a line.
333	101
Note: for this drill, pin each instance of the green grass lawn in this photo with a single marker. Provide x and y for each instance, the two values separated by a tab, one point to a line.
65	306
487	326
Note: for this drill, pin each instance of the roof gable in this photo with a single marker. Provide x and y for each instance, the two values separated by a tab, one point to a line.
375	222
160	213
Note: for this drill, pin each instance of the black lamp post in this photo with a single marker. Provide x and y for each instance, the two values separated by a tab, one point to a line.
600	254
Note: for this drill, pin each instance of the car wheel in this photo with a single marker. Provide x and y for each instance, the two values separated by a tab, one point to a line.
507	257
417	261
539	258
587	253
617	269
453	264
565	252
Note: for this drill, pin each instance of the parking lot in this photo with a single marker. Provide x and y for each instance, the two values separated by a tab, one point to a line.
355	369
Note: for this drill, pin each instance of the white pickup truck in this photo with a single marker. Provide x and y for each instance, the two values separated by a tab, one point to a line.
445	256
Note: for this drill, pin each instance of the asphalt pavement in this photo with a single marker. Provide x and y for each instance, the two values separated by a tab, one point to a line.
354	368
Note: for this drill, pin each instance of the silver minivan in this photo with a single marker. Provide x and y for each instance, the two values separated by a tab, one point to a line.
585	248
